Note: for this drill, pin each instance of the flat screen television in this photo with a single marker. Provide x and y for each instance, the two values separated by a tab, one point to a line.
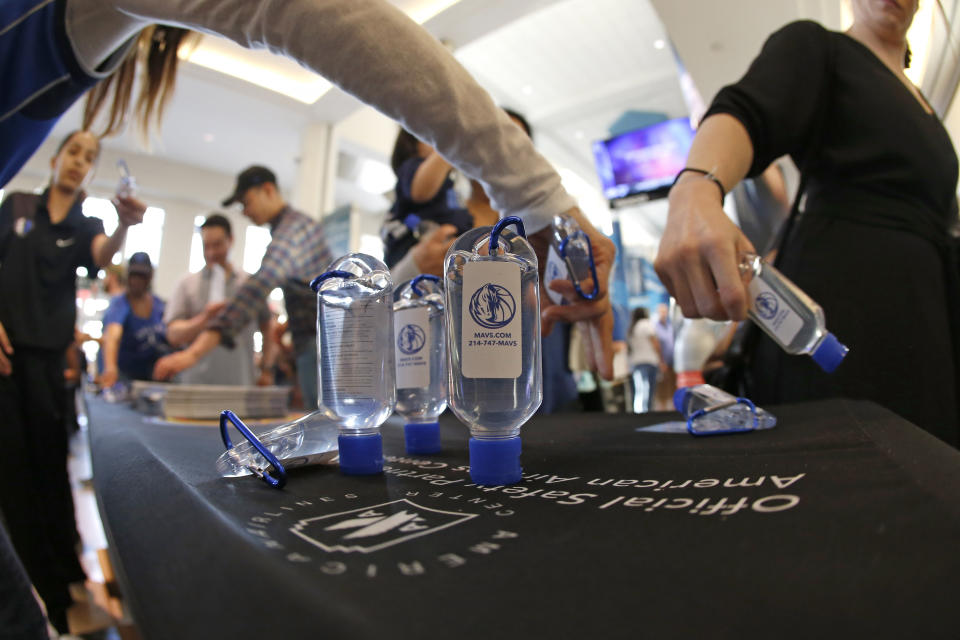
643	161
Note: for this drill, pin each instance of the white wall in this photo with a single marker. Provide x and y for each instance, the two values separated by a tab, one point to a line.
367	130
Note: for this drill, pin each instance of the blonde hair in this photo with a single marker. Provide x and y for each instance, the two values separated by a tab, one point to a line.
156	53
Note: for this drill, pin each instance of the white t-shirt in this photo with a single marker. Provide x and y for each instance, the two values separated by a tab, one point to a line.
642	350
222	365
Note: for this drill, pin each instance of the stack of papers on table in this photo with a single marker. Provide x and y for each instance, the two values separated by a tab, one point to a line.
206	401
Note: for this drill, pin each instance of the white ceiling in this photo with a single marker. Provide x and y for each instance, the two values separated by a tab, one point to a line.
571	66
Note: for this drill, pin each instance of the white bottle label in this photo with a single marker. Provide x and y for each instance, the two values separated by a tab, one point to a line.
350	338
491	345
556	270
411	330
772	312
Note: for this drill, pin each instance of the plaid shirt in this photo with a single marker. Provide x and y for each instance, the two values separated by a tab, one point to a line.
297	254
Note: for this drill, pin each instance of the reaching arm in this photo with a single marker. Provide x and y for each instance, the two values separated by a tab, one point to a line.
111	349
169	366
429	177
185	330
698	255
775	109
370	49
269	353
130	212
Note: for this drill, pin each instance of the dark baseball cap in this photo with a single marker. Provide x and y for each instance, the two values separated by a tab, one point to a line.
250	177
140	265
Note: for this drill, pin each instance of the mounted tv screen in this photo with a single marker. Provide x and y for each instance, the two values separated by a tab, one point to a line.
644	161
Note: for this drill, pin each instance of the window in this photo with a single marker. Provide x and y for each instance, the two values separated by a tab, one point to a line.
254	246
145	236
196	246
103	209
371	245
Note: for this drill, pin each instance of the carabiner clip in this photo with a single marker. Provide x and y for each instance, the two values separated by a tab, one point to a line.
315	283
497	228
593	266
724	405
420	278
276	483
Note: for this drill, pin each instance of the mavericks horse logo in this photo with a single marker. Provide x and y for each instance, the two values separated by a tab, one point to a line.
411	339
553	272
492	306
766	305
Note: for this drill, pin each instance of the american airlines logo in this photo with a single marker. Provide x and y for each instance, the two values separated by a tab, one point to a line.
372	528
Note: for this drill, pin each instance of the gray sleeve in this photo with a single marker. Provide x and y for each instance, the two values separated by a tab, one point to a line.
370	49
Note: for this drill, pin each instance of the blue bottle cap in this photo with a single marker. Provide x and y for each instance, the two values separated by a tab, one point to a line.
679	396
423	438
830	353
495	462
361	455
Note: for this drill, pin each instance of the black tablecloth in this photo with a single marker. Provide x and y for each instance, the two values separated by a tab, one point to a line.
844	521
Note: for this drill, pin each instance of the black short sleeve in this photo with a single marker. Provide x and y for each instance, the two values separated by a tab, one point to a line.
778	99
89	229
406	174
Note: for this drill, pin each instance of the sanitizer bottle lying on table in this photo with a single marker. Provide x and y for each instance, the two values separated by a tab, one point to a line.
493	344
309	440
570	257
355	356
713	411
421	357
788	315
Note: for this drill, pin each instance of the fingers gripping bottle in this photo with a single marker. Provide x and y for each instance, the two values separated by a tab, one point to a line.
355	356
421	357
788	315
570	257
493	344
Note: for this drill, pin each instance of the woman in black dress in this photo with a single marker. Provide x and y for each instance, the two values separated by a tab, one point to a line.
871	245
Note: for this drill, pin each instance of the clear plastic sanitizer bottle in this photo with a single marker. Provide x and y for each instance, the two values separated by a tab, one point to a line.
127	187
710	410
788	315
493	344
421	357
570	257
355	356
309	440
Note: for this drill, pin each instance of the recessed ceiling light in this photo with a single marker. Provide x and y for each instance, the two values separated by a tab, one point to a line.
659	44
527	90
258	67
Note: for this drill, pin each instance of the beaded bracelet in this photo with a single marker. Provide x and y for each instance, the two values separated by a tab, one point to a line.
706	174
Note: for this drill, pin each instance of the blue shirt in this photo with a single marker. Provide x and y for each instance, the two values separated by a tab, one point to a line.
144	340
41	77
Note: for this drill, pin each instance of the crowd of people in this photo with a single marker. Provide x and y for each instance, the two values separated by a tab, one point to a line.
878	175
